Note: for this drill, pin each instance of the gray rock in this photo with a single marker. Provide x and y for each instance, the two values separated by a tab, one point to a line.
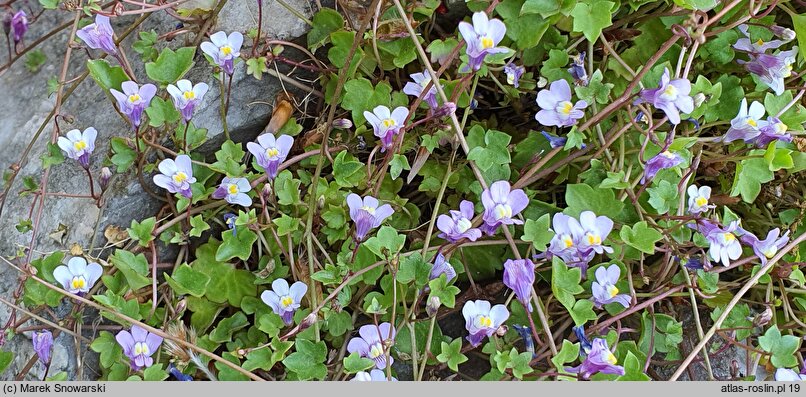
24	111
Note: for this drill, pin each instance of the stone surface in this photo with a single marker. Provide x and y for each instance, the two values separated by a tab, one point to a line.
28	106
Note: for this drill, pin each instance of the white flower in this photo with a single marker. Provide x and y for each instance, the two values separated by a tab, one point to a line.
77	276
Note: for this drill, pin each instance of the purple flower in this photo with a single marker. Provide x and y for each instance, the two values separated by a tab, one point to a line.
43	343
784	33
556	106
772	130
745	125
442	266
594	231
139	346
672	97
176	175
519	276
370	343
604	287
662	160
514	73
481	320
375	375
284	301
554	141
565	243
767	248
698	199
501	205
788	375
79	145
78	277
366	214
134	99
234	190
224	49
19	25
482	37
577	70
186	96
415	89
754	47
387	124
585	345
99	35
725	245
599	360
229	220
270	152
772	69
458	225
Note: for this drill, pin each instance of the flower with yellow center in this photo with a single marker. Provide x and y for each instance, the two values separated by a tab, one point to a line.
760	42
503	211
463	225
670	91
594	239
189	95
286	301
701	201
751	122
771	251
612	290
272	152
780	128
568	241
232	188
388	123
134	98
226	50
729	237
180	177
668	154
565	107
80	145
375	351
610	358
371	210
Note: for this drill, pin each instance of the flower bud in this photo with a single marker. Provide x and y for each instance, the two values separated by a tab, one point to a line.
699	99
432	306
180	307
307	322
763	318
266	192
445	110
782	32
502	330
342	124
106	175
7	22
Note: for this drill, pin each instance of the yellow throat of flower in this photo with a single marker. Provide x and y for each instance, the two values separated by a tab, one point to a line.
780	128
189	95
566	107
486	43
180	177
610	358
613	291
226	50
232	188
272	152
141	348
369	209
770	252
463	225
568	241
503	211
729	237
388	123
701	201
485	321
286	301
80	145
752	122
134	97
670	90
594	239
668	154
78	283
760	42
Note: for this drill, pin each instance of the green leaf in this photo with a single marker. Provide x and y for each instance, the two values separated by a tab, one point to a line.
582	312
146	45
270	324
5	360
538	232
361	96
452	354
227	284
663	197
171	65
799	23
525	30
567	354
781	347
386	243
595	90
325	22
565	283
54	156
134	268
446	293
198	226
641	237
161	112
414	268
108	348
49	4
547	8
633	369
665	339
286	224
142	232
750	174
307	362
226	327
238	245
229	159
256	67
155	373
397	165
355	363
582	197
707	281
34	60
778	158
348	171
495	150
106	75
186	280
591	17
